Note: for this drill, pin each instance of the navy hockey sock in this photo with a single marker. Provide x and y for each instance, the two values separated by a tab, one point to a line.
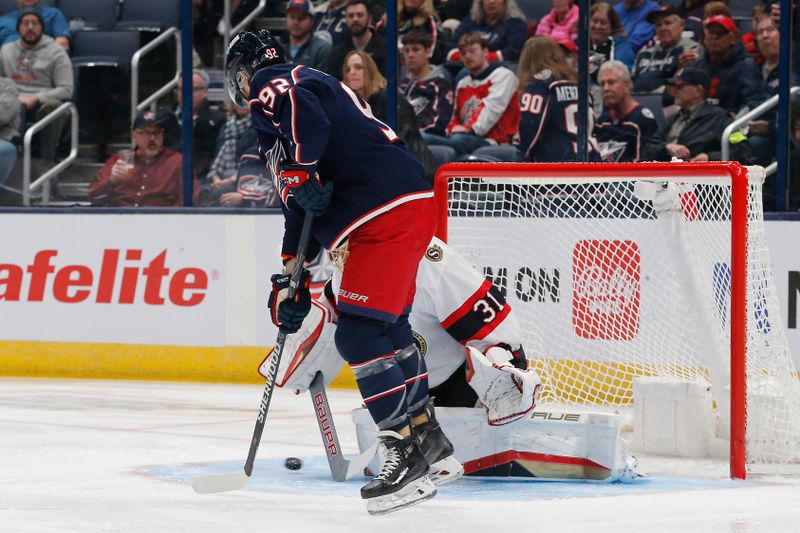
366	345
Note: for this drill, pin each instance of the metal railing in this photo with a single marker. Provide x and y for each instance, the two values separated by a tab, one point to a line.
759	110
44	180
137	106
226	21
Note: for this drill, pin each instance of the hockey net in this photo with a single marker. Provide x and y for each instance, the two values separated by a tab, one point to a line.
624	270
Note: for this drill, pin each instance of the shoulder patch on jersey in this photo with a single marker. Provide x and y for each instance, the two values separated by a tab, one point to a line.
647	113
545	74
421	343
434	253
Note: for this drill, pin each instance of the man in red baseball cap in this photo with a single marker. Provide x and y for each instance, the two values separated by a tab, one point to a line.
724	61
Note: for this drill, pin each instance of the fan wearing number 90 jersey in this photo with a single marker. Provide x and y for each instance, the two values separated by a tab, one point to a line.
548	127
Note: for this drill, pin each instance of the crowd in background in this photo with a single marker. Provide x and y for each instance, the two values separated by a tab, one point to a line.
478	80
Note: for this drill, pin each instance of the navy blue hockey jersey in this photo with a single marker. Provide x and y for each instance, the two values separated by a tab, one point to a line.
548	128
310	117
621	138
432	100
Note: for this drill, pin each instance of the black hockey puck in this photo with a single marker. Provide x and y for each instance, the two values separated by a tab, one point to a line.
293	463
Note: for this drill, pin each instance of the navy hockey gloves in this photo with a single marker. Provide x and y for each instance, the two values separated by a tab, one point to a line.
288	315
304	184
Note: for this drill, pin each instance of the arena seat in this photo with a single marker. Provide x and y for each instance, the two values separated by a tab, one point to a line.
535	9
150	15
96	14
653	103
102	64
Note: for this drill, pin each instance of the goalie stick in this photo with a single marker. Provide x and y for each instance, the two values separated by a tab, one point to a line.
237	480
341	468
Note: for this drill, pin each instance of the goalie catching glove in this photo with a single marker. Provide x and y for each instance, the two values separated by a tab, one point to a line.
306	188
508	393
288	314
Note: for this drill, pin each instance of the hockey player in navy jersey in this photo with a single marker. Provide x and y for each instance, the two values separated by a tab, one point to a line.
548	128
332	158
625	125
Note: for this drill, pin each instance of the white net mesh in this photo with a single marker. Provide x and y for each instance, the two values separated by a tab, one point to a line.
618	278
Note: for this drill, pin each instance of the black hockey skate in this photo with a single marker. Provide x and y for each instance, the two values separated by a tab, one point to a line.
402	481
438	450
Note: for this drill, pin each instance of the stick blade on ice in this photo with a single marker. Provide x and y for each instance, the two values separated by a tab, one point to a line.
220	482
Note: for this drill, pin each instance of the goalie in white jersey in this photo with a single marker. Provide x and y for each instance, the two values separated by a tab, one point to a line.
472	345
463	327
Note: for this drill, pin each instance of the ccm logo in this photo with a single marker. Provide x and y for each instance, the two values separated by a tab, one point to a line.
116	281
347	295
606	289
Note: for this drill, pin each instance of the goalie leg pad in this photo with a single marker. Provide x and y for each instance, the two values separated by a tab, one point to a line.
306	352
507	393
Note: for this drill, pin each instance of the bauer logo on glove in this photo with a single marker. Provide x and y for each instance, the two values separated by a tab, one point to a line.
288	314
304	184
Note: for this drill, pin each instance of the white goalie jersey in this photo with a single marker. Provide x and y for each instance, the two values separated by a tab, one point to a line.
455	307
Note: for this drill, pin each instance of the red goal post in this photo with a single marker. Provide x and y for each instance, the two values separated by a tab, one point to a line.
504	198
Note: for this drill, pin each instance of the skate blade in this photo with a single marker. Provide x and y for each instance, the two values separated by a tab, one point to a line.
412	494
445	471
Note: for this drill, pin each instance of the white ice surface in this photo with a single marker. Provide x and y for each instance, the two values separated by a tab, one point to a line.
86	456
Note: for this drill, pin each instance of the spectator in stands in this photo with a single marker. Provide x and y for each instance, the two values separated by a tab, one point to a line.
360	73
362	37
42	72
548	131
711	9
692	12
724	62
305	48
9	127
418	15
625	124
329	22
761	73
501	23
206	121
694	133
659	62
486	104
633	15
251	185
236	136
561	23
607	38
429	89
148	175
53	22
749	38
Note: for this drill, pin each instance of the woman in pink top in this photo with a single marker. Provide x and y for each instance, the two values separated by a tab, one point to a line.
561	23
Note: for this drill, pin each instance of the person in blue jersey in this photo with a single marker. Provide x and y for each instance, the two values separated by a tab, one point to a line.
625	125
331	157
548	128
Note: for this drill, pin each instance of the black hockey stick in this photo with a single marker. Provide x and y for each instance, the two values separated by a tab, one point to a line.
238	479
341	468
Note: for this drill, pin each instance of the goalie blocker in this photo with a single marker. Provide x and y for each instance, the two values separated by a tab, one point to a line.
510	441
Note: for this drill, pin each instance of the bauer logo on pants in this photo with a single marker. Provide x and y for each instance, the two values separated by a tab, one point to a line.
606	289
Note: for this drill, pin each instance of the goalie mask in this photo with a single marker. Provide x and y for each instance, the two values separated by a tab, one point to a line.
248	53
